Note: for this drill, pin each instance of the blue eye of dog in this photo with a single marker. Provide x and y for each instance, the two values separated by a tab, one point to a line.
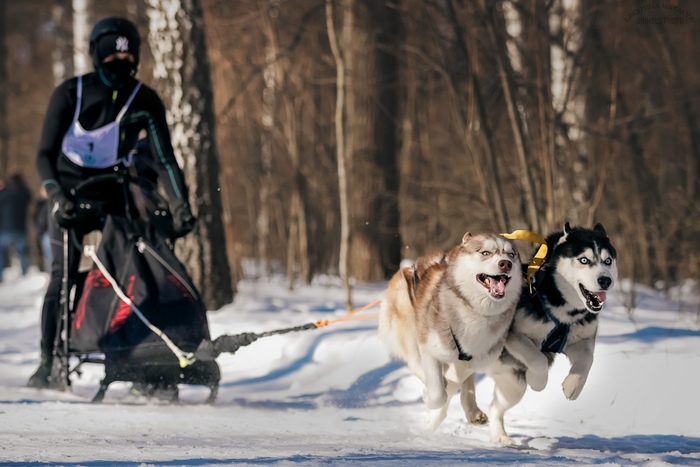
584	260
511	255
608	261
485	253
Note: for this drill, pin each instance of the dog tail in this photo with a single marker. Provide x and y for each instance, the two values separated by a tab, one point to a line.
396	314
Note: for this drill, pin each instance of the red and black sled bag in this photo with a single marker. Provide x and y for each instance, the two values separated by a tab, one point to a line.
146	269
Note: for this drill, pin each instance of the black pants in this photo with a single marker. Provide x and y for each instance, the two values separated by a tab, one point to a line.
51	311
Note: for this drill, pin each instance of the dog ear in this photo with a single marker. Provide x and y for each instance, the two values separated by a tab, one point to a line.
599	228
567	227
466	237
410	275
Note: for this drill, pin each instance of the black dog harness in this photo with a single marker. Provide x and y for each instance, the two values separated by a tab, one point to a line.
557	337
462	356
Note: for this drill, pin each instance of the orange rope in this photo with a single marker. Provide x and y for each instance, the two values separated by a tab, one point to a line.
349	317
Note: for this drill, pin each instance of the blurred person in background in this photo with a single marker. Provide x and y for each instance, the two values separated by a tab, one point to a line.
41	229
14	207
3	252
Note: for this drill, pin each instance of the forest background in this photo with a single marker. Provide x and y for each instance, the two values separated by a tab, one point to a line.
338	137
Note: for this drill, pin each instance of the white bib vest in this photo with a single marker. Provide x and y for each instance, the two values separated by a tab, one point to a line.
98	148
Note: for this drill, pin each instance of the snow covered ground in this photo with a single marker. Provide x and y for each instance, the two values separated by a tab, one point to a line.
332	396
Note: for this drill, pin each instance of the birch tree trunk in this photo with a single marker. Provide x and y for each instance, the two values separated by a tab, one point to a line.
182	74
61	60
81	36
342	149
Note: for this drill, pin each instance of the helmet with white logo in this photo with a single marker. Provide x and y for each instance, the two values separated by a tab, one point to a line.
126	38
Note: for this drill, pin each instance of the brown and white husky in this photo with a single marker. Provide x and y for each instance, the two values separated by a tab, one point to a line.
448	317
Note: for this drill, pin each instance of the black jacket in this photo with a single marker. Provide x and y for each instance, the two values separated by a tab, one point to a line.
14	205
100	106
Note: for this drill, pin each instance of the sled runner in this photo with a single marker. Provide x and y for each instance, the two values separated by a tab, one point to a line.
135	310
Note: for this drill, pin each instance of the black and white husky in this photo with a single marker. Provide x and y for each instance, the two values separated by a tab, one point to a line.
560	315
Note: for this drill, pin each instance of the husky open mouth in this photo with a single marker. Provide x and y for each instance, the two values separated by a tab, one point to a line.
594	300
496	285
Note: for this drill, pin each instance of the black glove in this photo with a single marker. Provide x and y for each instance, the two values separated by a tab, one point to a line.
62	208
183	220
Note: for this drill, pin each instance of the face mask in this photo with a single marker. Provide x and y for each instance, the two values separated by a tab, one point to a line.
117	72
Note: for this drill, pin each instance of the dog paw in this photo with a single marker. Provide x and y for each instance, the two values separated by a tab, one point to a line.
477	417
572	386
434	400
536	380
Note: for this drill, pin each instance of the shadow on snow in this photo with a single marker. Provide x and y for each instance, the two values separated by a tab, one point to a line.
616	449
650	334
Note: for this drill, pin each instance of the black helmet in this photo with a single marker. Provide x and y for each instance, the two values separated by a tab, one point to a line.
118	27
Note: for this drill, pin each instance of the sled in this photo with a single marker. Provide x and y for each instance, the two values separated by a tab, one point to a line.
135	310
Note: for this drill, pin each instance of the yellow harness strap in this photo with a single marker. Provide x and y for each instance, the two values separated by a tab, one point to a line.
538	259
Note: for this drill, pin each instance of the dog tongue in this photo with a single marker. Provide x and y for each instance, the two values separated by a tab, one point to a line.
497	286
600	296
